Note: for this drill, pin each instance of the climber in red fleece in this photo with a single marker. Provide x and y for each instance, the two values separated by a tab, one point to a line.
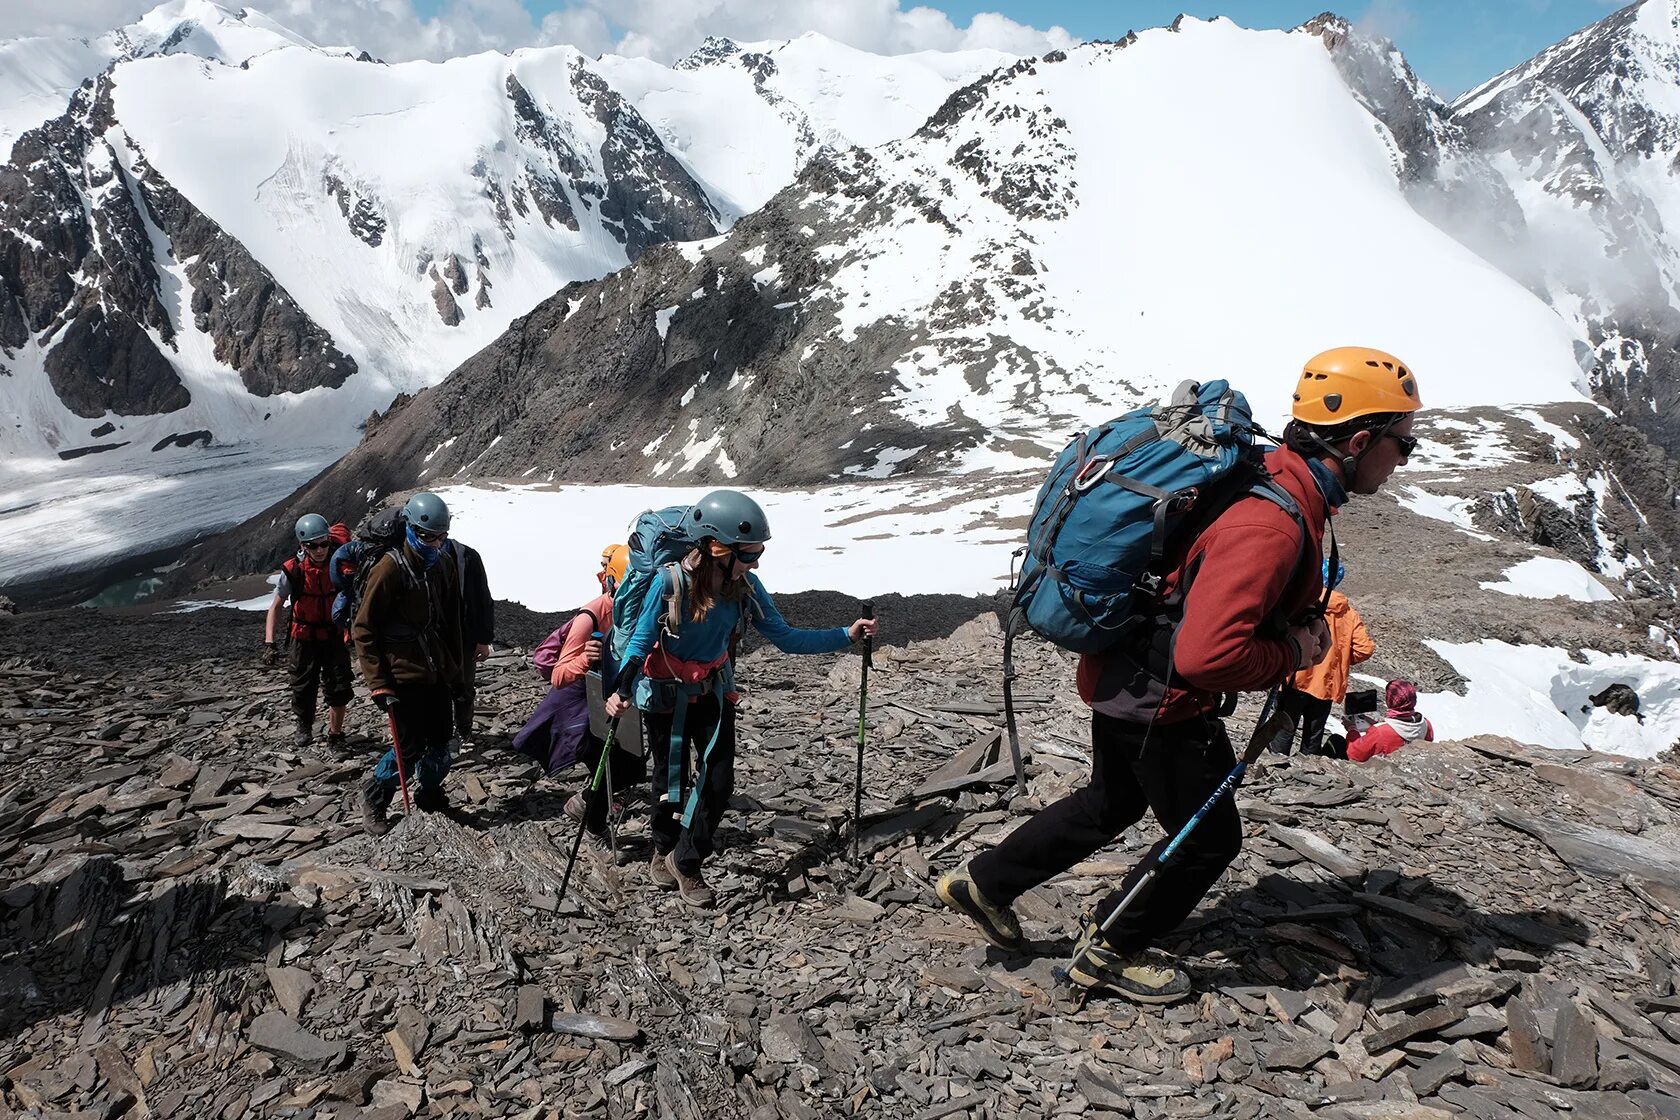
1239	613
1403	725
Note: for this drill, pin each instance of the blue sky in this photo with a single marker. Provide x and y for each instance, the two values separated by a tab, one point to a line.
1452	44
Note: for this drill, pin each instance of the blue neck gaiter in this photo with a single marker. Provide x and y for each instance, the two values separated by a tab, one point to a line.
428	555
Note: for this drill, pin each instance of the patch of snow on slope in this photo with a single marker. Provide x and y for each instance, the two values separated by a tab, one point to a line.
1535	694
1547	577
1441	507
911	537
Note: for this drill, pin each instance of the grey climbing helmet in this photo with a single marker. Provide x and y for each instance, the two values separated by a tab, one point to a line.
311	527
426	511
729	517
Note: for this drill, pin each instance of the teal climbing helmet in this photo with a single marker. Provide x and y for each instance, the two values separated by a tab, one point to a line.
728	517
427	511
311	527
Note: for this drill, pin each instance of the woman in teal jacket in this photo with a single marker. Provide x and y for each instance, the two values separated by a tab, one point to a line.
681	678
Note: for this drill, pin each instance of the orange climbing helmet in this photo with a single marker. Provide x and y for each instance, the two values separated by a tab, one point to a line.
1353	381
615	561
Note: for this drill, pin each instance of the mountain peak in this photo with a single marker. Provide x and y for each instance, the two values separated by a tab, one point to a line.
716	49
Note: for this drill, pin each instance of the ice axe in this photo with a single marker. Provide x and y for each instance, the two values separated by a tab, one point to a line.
396	748
863	711
1139	878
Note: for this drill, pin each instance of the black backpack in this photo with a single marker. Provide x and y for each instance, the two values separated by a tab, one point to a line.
378	534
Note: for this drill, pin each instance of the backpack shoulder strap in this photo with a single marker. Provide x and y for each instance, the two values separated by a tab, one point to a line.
294	577
1269	489
678	584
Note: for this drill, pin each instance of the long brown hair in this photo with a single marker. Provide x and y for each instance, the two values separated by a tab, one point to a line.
702	596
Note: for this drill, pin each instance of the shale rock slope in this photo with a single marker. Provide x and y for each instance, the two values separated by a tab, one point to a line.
194	925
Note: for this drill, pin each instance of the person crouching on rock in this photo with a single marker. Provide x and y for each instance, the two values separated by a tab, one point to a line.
1404	724
683	681
318	661
1240	612
408	638
557	735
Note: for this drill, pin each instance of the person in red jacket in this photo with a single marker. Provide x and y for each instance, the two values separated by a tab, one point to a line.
318	661
1240	612
1403	725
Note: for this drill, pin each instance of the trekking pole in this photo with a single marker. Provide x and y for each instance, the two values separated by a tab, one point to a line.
863	708
594	787
396	747
1139	878
612	834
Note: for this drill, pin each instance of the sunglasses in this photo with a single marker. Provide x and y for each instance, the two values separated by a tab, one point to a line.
426	536
747	556
1408	444
313	545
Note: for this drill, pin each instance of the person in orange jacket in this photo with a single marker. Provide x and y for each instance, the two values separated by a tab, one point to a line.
1314	690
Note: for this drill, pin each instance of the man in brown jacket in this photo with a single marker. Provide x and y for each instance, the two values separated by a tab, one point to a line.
408	639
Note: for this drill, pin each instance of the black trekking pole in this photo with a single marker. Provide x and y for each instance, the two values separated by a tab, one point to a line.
863	709
589	795
1139	878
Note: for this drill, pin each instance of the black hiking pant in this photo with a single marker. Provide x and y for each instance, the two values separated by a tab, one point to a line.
1172	775
463	700
1306	712
715	776
322	666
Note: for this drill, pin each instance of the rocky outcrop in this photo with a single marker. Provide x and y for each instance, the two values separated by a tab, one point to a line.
77	269
87	226
650	197
258	328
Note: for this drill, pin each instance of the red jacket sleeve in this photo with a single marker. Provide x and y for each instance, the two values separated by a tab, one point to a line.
572	664
1242	567
1360	748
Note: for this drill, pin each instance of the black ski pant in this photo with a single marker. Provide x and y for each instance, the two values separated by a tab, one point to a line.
1172	773
322	666
1306	712
715	776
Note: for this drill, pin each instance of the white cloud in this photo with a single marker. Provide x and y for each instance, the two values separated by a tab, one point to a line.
667	29
662	29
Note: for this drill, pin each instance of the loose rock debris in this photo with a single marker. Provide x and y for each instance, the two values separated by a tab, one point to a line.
192	924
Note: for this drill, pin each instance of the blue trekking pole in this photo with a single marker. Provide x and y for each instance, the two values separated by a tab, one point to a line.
1139	878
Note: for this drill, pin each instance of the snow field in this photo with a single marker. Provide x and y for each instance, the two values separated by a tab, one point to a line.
542	545
1534	694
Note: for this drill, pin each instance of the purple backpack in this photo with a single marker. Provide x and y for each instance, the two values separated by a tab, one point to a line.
548	652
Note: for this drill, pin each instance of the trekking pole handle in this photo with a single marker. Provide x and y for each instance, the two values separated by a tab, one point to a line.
868	640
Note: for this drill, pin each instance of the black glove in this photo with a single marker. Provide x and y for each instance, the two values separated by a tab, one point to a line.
270	654
385	701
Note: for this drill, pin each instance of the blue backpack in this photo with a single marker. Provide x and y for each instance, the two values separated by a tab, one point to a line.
1116	497
657	539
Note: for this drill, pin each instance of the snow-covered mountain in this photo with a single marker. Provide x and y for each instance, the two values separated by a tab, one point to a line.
1587	137
222	247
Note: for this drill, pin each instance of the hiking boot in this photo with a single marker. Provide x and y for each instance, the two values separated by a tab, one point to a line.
1142	977
302	736
690	888
338	742
599	843
431	799
998	923
660	872
376	799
